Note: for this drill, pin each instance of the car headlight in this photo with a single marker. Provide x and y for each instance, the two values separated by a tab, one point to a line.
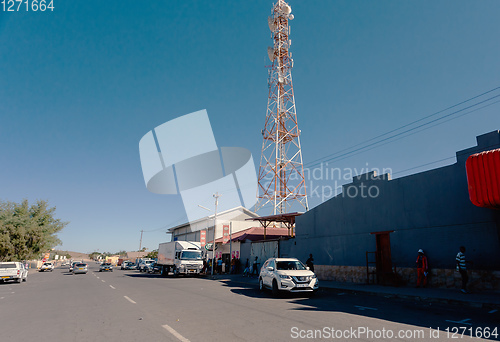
284	276
182	266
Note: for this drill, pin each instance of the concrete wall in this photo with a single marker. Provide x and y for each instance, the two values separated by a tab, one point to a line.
429	210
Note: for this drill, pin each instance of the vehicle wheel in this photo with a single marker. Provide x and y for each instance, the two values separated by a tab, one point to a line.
20	280
261	284
100	270
276	291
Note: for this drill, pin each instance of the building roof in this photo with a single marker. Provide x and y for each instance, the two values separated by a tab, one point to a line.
210	217
257	234
135	255
288	219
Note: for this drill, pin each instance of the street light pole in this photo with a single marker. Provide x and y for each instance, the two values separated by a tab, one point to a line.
216	196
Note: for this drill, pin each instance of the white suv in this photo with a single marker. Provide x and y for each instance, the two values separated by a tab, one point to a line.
48	266
287	274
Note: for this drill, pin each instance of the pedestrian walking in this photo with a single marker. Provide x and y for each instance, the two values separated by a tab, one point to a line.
422	268
462	268
255	267
219	266
310	262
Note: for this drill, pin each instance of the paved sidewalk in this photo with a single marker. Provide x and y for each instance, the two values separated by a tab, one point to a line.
435	295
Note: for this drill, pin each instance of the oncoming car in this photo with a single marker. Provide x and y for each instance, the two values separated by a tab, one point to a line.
47	266
106	266
80	268
287	274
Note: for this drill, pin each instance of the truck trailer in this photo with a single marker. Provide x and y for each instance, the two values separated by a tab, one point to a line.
180	257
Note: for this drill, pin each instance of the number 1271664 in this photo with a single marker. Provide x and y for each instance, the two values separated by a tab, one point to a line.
27	5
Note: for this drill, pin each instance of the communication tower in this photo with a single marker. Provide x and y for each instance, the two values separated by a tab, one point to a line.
281	174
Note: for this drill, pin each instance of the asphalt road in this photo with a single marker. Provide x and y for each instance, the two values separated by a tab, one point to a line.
131	306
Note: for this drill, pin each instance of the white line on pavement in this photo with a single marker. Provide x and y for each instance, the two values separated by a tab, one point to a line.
114	288
97	277
2	297
175	333
362	308
103	280
464	321
130	300
493	311
12	292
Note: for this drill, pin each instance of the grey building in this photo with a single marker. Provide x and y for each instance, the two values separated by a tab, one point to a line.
429	210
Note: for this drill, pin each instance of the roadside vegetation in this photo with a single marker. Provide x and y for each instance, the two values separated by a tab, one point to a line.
27	230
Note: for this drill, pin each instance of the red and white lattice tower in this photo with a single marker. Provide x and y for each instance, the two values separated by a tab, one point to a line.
281	175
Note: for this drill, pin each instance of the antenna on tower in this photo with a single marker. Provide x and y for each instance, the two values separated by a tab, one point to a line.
281	174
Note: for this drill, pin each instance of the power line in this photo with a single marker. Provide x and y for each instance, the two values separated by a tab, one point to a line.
405	136
320	160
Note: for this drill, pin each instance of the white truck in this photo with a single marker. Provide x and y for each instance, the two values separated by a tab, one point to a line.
180	257
13	271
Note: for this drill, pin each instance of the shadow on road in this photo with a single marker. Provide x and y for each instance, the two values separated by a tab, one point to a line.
417	313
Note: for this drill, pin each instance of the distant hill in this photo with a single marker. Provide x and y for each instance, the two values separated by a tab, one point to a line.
79	256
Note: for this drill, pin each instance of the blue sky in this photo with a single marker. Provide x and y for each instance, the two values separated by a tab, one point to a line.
80	86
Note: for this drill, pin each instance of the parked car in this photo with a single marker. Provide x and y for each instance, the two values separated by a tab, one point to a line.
153	268
143	264
80	268
287	274
47	266
126	264
13	271
106	266
130	266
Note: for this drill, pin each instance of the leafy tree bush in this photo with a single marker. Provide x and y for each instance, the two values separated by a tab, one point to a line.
27	231
153	254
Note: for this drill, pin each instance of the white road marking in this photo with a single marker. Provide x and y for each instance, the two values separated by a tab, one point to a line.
12	292
341	294
130	300
464	321
362	308
97	277
2	297
175	333
103	280
114	288
493	311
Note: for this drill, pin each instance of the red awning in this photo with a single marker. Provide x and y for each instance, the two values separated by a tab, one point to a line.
483	177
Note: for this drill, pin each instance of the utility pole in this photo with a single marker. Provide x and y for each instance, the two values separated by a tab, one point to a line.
140	243
216	196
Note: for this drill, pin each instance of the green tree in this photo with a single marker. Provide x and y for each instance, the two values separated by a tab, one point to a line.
27	231
153	254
